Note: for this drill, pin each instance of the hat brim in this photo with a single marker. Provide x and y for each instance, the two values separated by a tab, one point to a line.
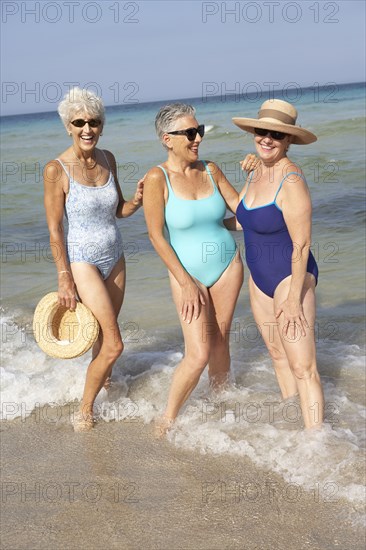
62	333
300	135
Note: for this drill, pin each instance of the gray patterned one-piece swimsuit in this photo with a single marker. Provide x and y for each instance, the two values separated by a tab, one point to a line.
93	236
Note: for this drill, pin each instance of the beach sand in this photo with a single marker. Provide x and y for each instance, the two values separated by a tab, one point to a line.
118	487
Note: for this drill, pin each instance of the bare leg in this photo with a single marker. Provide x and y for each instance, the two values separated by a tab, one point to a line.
188	372
224	294
115	284
94	293
206	340
301	354
262	308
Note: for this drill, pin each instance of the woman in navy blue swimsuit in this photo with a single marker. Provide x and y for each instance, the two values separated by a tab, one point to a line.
275	214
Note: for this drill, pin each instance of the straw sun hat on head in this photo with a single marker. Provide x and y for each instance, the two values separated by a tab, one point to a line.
62	333
280	116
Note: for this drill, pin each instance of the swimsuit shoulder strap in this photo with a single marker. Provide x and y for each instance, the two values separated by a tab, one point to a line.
250	179
209	173
106	159
287	175
64	168
170	185
167	179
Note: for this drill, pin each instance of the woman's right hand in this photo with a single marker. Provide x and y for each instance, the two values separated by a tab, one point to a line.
66	290
192	300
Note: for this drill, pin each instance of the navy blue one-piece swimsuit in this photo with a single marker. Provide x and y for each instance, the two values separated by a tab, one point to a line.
268	245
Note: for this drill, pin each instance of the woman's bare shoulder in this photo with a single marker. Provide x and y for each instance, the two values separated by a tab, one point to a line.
53	172
292	168
155	174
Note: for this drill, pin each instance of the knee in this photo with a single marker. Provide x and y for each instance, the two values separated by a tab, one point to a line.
276	353
303	370
219	340
117	349
197	360
219	349
113	350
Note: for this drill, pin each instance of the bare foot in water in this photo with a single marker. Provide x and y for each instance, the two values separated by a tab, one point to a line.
83	422
162	426
107	383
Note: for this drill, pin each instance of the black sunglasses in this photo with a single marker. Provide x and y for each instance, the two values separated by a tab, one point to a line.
278	136
190	133
80	123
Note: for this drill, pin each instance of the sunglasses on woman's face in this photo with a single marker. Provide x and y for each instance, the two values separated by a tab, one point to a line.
278	136
80	123
190	133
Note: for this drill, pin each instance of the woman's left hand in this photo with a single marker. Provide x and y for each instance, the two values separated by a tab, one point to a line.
249	163
137	199
294	316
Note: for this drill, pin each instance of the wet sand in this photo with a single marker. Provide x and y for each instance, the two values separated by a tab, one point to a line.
118	487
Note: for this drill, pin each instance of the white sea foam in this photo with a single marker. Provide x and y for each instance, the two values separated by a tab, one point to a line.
248	419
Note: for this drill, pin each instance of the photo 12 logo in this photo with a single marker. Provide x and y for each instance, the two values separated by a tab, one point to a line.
270	12
70	12
259	91
241	491
52	92
51	491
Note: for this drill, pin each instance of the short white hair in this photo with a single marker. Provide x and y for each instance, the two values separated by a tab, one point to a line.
78	100
167	116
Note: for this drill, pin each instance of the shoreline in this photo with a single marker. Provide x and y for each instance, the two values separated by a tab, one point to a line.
111	106
118	487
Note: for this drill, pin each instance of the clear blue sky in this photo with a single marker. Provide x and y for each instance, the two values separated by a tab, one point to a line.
151	50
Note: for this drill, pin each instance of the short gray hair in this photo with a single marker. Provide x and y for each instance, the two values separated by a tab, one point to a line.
167	115
77	100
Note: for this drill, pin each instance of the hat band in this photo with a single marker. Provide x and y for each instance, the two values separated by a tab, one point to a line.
281	117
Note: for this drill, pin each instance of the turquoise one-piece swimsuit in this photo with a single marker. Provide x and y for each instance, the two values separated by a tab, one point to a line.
197	234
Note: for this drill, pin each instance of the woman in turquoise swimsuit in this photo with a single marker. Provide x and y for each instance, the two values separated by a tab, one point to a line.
82	185
185	202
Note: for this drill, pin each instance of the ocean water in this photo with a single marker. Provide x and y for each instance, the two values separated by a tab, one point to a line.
249	418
